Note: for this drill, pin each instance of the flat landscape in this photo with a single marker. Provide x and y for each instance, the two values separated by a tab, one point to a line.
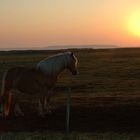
105	95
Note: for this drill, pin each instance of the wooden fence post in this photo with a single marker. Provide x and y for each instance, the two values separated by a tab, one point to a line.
68	111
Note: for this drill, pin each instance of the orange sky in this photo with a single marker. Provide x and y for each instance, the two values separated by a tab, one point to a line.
40	23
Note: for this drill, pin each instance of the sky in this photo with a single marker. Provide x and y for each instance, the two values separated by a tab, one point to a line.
41	23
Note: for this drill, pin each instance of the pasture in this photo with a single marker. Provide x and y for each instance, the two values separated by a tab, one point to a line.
105	96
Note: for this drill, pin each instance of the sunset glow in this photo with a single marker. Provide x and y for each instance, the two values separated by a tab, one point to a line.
41	23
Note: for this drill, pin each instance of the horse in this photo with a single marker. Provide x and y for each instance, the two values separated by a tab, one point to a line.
39	80
52	67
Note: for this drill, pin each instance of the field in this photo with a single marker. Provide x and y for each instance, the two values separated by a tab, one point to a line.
105	96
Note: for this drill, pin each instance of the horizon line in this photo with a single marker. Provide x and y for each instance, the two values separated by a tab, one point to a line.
65	47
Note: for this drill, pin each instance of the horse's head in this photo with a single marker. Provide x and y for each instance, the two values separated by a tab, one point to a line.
72	66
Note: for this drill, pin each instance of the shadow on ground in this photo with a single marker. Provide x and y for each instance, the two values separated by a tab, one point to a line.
90	117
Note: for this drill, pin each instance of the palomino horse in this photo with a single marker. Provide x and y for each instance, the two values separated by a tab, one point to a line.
35	81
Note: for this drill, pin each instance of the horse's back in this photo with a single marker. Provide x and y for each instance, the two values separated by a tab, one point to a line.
28	80
31	81
15	71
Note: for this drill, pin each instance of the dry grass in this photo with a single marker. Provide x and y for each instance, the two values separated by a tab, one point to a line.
72	136
108	78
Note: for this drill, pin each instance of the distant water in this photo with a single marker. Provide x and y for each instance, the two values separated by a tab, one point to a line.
62	47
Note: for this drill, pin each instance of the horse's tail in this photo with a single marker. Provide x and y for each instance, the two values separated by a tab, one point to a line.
5	96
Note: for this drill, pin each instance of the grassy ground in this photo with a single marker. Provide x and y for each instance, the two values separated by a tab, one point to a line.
72	136
105	95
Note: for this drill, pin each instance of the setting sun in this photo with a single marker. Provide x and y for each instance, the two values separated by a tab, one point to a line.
134	23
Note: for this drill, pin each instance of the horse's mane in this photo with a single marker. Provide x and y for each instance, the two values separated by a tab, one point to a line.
57	55
55	62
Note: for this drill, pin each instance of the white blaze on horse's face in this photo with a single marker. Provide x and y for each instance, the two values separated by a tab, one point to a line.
73	64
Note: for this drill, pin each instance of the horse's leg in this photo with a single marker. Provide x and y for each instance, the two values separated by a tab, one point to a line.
45	103
40	110
47	100
16	107
17	110
1	111
40	107
7	103
44	106
1	106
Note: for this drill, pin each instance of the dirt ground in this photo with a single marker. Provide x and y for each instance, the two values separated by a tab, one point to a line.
87	114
